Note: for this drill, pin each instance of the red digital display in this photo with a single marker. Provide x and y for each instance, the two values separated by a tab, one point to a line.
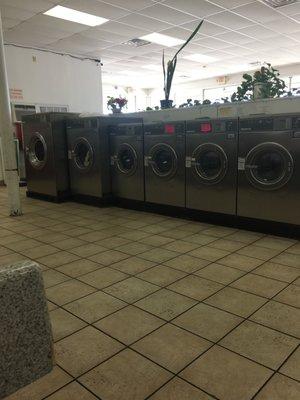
205	127
170	129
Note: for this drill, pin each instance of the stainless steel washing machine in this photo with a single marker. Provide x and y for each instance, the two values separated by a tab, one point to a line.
211	165
46	159
164	151
127	160
269	168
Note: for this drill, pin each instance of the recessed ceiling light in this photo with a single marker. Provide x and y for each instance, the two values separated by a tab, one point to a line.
201	58
165	40
75	16
278	3
152	67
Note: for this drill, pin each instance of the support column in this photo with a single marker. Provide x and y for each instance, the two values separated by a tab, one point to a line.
6	132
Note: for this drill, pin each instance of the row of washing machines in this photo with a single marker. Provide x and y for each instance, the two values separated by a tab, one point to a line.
247	167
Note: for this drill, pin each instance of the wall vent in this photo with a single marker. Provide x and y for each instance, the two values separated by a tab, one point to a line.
278	3
137	42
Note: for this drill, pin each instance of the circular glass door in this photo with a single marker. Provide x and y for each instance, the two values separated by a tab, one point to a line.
37	151
126	159
83	154
210	163
269	166
163	160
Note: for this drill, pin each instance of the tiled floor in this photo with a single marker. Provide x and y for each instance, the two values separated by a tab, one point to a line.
145	306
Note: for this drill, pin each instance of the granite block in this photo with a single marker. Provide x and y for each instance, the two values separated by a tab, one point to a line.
26	350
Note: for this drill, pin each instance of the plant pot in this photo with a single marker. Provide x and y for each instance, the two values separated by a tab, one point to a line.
166	104
257	90
117	111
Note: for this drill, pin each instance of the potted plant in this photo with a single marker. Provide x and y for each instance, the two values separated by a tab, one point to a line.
116	104
169	71
264	83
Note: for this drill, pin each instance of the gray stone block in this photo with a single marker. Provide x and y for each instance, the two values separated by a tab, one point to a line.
26	349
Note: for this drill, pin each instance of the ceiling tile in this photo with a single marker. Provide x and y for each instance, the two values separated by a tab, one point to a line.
207	28
15	13
13	37
35	6
258	12
179	32
257	32
199	8
235	37
28	28
96	33
291	9
295	36
140	21
167	14
8	23
229	4
213	43
57	23
123	29
230	20
283	25
133	5
96	8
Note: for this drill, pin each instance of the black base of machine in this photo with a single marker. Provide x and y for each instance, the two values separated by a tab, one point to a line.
129	204
92	200
269	227
60	198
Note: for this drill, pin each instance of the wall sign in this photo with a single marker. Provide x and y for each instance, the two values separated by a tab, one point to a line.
16	94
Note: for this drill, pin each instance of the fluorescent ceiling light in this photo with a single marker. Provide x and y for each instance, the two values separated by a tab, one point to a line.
75	16
152	67
165	40
202	58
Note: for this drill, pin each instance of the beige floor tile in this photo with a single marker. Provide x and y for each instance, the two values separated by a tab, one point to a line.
200	239
262	253
94	306
245	236
274	243
78	267
178	233
244	263
125	376
68	291
109	257
69	243
161	275
220	273
113	242
260	285
180	246
280	388
4	251
158	255
154	229
207	321
235	377
290	296
228	245
292	366
292	260
39	251
219	231
171	347
64	323
51	306
73	391
297	282
295	249
279	316
131	289
134	248
61	227
43	386
134	235
260	344
102	277
133	265
52	277
10	238
195	287
94	236
277	271
177	389
187	263
41	234
156	240
87	250
166	304
23	244
84	350
77	231
50	237
57	259
129	324
236	301
208	253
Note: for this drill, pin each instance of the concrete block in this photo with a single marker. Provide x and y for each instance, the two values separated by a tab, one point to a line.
26	349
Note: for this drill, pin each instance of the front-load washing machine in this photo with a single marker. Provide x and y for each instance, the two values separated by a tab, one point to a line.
46	159
211	165
127	160
164	152
269	168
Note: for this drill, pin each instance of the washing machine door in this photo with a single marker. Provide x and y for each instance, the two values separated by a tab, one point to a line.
210	163
126	159
37	151
163	160
82	155
269	166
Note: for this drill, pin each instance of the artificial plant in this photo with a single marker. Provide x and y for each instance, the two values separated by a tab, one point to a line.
267	77
116	103
169	69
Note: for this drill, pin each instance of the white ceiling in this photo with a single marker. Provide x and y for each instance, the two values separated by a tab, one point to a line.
235	32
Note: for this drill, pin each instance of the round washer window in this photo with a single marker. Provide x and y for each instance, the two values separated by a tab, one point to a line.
83	154
269	166
164	160
210	163
127	159
37	151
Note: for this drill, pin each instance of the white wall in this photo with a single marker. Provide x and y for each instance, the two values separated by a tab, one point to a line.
52	79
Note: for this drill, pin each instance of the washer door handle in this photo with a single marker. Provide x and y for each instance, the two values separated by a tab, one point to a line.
71	154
